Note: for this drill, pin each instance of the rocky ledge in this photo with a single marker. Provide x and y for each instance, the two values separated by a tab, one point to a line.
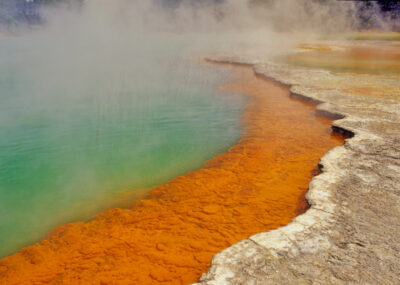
351	233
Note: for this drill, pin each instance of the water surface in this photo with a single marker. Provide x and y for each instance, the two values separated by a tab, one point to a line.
84	129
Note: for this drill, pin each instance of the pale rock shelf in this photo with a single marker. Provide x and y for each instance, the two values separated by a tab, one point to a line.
351	232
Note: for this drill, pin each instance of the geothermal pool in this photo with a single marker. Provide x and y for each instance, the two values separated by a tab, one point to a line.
111	130
80	133
256	185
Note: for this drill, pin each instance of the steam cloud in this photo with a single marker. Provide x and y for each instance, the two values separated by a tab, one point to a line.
99	49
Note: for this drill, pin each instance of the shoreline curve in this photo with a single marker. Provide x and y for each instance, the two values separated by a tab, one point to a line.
108	247
338	240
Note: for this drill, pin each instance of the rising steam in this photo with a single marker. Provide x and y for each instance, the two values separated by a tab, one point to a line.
98	51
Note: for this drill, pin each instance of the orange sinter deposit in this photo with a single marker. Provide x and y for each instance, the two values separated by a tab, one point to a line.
170	238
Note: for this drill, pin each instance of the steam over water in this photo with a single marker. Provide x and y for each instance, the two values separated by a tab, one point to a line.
84	134
107	100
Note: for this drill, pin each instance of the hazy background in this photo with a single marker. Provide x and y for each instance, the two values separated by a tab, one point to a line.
284	14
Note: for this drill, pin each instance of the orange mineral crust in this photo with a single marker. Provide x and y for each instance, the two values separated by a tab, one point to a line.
170	238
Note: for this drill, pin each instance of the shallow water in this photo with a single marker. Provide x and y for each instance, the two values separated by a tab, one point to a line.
369	69
80	136
370	58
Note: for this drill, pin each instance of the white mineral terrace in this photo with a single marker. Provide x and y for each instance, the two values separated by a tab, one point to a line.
351	233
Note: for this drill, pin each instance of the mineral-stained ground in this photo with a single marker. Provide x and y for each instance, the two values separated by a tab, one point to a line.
170	238
351	233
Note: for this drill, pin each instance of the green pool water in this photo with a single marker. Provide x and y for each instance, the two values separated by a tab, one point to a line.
83	129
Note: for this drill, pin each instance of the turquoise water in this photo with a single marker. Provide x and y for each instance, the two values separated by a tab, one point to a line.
83	129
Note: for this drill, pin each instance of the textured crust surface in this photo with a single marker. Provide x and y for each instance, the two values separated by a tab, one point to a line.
351	233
